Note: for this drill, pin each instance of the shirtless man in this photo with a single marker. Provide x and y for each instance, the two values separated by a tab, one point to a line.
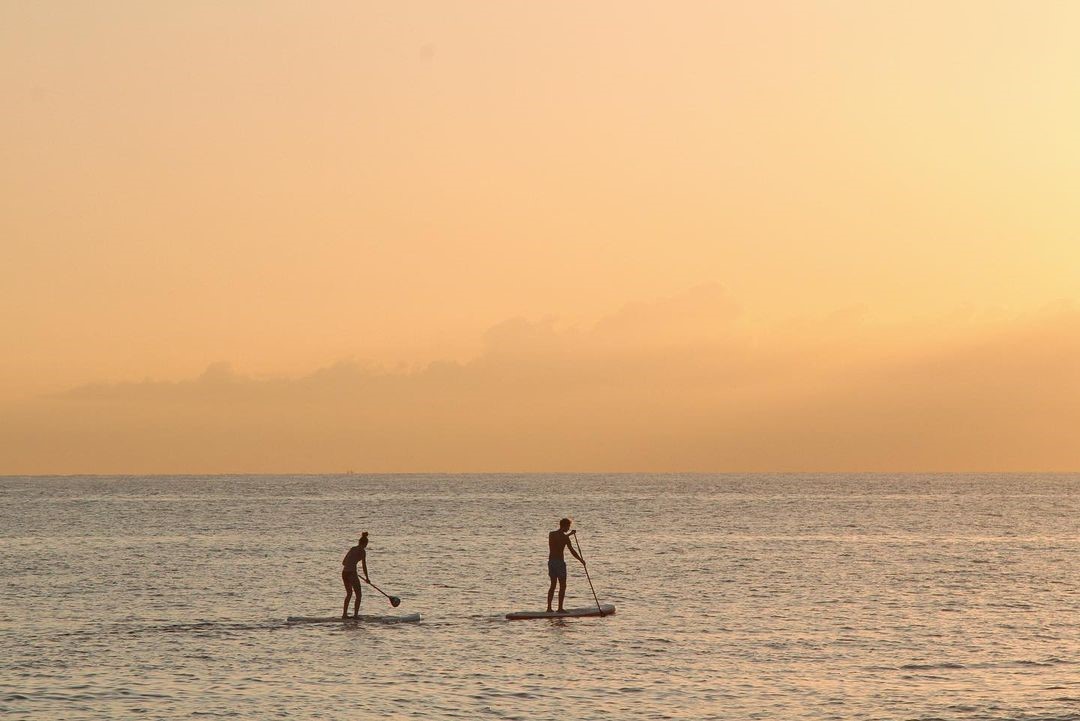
357	554
557	541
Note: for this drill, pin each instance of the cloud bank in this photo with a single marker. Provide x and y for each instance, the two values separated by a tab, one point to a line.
681	384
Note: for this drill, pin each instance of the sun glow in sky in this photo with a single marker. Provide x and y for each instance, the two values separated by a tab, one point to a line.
539	236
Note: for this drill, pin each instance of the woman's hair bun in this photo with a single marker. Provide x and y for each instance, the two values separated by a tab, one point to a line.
363	535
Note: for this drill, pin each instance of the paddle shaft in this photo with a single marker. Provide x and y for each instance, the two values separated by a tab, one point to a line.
375	587
587	576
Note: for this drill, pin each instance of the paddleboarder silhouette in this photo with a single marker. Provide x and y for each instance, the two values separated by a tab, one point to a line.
349	576
557	542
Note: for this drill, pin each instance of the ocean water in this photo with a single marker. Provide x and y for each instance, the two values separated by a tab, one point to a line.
738	596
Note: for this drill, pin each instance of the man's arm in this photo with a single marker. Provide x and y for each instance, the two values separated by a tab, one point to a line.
570	547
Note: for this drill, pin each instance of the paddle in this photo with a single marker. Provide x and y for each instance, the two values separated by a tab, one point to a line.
394	600
586	567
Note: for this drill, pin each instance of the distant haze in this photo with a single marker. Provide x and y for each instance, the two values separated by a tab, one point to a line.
407	236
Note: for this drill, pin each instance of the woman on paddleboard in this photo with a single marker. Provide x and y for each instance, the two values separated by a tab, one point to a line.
349	576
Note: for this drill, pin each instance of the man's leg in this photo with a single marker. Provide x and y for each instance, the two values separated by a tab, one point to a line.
562	591
551	593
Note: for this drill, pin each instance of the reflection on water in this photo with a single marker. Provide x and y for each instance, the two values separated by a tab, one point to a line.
794	597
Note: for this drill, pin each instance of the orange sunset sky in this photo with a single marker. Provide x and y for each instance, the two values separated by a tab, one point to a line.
539	236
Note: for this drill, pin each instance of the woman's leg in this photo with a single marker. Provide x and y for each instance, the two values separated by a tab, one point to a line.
348	596
359	590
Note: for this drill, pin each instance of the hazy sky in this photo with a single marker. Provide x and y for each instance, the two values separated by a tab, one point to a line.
259	236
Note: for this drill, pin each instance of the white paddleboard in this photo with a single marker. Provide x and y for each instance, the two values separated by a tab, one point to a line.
410	618
608	609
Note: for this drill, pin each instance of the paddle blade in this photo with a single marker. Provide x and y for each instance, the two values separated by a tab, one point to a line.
395	601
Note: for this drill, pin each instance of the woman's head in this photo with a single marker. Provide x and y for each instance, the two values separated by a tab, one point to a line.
363	539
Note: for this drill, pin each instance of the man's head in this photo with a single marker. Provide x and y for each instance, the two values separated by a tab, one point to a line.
564	525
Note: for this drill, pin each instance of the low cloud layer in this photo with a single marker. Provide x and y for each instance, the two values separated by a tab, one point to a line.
682	384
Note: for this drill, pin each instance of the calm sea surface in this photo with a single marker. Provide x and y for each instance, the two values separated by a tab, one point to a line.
739	597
